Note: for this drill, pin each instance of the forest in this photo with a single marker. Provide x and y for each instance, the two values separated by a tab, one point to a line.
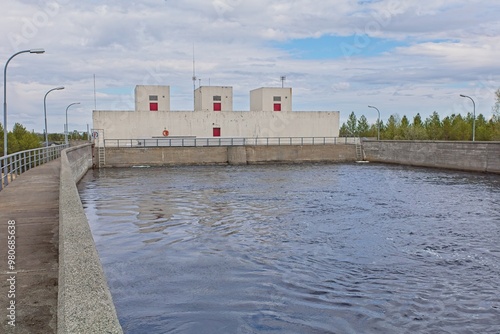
452	127
20	139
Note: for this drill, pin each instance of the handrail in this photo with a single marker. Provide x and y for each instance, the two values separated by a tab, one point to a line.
226	141
17	163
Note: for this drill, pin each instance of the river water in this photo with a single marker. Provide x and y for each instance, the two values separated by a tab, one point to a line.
341	248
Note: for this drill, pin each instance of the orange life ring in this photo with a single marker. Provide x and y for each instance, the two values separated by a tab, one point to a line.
165	133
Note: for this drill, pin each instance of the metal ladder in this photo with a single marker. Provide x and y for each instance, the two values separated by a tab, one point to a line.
359	151
98	140
102	156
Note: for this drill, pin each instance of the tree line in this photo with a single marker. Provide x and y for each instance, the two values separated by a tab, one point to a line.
20	139
453	127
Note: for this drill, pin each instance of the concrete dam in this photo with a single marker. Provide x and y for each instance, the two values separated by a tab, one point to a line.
84	300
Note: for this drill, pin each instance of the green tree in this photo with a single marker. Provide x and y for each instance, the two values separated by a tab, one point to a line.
494	125
343	131
453	127
483	130
417	120
403	129
469	119
75	135
56	137
19	139
26	140
391	129
352	125
434	126
446	131
12	143
417	130
416	133
460	129
363	127
374	129
405	122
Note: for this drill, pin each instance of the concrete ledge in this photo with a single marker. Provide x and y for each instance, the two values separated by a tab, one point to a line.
300	154
164	156
84	302
237	155
458	155
241	155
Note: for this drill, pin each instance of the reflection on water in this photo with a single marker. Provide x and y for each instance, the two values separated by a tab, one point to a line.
298	249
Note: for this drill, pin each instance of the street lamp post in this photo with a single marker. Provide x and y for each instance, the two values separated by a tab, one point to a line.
378	121
66	132
45	113
5	95
473	117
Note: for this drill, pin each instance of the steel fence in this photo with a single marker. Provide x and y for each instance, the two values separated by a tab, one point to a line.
15	164
221	141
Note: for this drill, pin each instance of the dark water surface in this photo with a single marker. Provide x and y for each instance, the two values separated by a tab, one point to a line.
298	248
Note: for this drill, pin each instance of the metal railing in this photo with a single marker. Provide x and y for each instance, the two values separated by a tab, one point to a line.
17	163
220	141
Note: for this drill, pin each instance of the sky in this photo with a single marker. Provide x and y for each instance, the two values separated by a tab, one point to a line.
404	57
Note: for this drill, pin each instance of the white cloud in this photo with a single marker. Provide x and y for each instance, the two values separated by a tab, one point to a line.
452	48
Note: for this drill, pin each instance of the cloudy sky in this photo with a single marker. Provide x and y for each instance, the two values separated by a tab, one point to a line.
404	57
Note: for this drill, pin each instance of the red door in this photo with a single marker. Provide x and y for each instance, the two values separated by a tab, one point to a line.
216	132
217	106
277	107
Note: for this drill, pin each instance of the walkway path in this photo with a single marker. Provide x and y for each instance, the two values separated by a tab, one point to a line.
32	201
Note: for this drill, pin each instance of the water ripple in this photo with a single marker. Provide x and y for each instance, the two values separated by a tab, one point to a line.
298	249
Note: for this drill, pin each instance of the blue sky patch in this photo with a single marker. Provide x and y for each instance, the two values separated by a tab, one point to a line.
116	90
331	47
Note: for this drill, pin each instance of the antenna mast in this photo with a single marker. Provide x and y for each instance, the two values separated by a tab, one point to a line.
283	78
194	81
95	98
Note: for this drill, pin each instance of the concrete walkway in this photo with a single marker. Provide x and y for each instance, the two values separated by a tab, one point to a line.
32	201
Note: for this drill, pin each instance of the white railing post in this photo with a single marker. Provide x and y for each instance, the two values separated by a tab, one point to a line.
189	141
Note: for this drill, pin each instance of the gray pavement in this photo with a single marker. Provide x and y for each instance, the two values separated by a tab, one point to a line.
32	201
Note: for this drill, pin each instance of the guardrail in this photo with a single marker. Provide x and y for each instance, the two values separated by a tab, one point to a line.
17	163
220	141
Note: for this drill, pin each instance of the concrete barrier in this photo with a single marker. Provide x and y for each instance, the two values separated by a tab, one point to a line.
259	154
237	155
164	156
467	156
300	153
84	300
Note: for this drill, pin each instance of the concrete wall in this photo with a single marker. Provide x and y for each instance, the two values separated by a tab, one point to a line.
250	124
84	303
469	156
263	99
165	156
296	153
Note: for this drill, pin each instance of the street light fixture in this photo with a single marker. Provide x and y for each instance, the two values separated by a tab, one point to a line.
378	121
5	95
473	117
45	113
66	132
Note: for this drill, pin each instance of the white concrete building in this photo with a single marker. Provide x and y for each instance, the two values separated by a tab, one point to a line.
213	98
152	98
271	99
208	121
